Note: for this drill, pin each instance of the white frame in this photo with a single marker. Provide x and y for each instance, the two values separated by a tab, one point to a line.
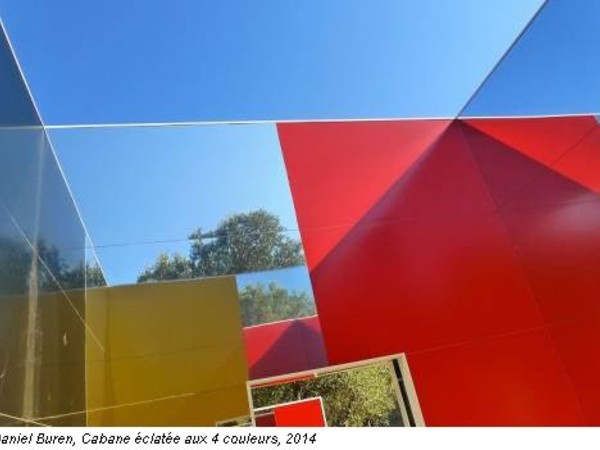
410	390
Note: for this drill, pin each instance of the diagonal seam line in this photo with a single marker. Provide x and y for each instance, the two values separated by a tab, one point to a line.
47	137
502	58
122	405
427	151
39	258
22	419
519	260
139	402
549	166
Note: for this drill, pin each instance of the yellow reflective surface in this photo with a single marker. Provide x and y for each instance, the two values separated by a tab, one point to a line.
165	354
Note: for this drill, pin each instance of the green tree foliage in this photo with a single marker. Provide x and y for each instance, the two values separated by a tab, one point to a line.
256	241
358	397
264	304
168	268
245	242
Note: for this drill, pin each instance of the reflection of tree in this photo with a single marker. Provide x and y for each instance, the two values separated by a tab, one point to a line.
359	397
264	304
76	276
241	243
246	242
16	265
88	275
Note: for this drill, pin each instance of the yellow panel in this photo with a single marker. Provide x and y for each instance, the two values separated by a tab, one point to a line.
170	354
42	357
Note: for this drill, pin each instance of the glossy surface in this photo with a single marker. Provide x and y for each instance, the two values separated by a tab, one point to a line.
170	354
306	413
43	269
144	190
284	347
490	232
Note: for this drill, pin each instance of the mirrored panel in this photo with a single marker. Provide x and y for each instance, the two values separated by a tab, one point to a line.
61	237
362	395
182	202
275	295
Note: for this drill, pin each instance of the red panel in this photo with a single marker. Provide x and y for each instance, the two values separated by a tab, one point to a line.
578	343
284	347
351	165
512	380
444	182
582	163
476	238
431	251
516	181
552	220
390	288
543	139
265	420
559	249
306	413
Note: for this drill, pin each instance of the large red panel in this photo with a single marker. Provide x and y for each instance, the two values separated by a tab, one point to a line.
477	240
284	347
394	287
429	264
578	344
338	170
511	380
305	413
553	222
543	139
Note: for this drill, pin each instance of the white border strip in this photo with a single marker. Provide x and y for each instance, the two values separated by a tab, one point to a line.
275	121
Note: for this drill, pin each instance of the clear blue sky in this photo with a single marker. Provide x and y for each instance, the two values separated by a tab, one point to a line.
188	60
554	69
151	184
175	60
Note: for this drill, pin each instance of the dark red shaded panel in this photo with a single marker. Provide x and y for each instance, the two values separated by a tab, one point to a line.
517	181
552	221
512	380
350	166
542	139
305	413
443	183
583	162
284	347
265	420
578	344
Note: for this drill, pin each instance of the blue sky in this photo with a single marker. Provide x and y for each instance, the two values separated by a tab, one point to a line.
554	69
188	60
177	60
146	184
